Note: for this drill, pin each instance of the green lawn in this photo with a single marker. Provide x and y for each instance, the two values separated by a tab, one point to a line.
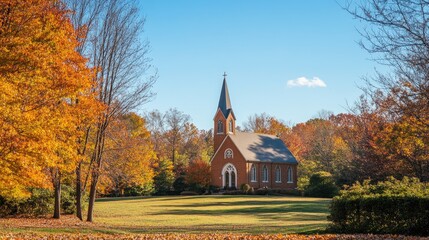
195	214
187	214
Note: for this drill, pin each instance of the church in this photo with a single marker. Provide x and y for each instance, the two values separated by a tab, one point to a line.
260	160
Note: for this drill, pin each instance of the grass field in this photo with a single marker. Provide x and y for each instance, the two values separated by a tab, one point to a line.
194	214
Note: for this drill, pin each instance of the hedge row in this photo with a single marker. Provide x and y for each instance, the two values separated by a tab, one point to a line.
40	203
381	214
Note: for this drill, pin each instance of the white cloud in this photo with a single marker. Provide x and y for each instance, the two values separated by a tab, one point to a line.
305	82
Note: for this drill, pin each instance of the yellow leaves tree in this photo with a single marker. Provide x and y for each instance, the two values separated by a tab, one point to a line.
129	157
42	78
405	146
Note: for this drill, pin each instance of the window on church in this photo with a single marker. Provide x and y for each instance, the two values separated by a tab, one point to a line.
219	126
264	174
278	174
231	129
253	173
289	175
228	153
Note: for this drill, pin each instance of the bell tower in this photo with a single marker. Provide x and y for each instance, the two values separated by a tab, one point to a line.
224	119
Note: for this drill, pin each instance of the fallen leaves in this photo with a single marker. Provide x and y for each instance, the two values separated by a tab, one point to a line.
69	227
209	236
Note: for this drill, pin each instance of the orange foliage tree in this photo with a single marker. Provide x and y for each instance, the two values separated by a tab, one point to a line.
198	174
129	158
41	76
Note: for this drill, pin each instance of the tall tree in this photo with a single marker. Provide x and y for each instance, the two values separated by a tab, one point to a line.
170	132
112	35
176	123
41	76
84	15
398	37
129	156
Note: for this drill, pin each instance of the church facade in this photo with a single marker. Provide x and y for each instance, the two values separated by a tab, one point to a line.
259	160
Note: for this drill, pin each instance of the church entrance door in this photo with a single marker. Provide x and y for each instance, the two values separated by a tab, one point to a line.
229	176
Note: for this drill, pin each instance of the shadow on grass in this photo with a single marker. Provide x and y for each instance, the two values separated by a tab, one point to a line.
114	199
276	206
319	203
157	198
277	210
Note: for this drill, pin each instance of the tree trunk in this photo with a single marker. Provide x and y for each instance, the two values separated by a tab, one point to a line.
96	159
57	194
78	191
92	193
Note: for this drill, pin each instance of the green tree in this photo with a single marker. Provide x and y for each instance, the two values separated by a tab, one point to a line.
164	176
321	184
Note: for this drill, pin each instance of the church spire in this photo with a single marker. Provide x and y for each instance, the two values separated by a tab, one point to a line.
224	101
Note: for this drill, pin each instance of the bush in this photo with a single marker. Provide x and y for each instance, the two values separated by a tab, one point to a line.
393	206
321	184
143	190
179	184
68	199
40	203
291	192
214	189
262	191
233	192
188	193
245	188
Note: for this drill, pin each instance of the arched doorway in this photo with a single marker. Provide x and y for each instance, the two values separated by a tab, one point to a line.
229	176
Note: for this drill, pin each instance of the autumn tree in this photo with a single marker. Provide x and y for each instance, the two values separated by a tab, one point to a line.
175	122
179	141
174	137
41	77
198	175
129	157
397	37
318	144
111	39
258	123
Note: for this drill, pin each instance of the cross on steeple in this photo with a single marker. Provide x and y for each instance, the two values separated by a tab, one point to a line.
224	75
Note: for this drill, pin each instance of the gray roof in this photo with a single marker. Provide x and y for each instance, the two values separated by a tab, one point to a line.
262	148
224	102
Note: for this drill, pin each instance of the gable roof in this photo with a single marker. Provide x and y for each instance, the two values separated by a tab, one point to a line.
224	101
262	148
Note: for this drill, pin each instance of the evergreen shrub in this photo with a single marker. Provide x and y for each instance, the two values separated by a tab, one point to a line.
389	207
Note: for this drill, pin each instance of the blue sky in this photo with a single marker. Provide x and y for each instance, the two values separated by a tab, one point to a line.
261	45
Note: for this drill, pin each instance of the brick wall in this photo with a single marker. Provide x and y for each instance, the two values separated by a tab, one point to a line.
219	161
271	183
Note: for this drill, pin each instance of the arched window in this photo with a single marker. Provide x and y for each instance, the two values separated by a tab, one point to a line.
253	173
228	153
289	175
219	126
264	174
231	129
278	174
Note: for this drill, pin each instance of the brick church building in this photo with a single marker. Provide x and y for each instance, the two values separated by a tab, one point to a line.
259	160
